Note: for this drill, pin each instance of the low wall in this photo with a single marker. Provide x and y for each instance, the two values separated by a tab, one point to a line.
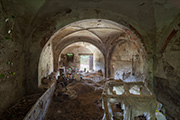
38	111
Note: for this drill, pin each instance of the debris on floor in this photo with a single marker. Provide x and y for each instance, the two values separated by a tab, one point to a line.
80	100
21	108
48	81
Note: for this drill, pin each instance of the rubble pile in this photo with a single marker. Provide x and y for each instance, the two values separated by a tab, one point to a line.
47	81
78	100
96	76
74	88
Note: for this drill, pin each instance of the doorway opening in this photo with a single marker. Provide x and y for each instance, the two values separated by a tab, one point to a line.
86	62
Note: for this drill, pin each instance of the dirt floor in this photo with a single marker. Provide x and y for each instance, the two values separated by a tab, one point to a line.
84	104
79	100
21	108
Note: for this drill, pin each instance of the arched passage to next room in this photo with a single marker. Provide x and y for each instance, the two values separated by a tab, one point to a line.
110	38
100	44
83	56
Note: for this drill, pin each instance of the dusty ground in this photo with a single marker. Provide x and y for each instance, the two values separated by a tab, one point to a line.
86	105
21	108
80	100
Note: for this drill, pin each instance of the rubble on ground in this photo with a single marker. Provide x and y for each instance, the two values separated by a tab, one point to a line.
21	108
80	100
47	81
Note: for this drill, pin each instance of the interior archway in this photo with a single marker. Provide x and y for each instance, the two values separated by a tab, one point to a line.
79	49
103	34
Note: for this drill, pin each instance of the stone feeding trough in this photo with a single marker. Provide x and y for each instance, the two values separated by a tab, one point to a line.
134	99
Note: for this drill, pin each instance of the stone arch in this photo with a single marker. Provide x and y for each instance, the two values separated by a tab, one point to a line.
100	32
48	26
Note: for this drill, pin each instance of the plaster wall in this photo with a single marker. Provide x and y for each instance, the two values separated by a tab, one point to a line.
12	83
165	11
166	60
99	62
167	77
45	63
126	62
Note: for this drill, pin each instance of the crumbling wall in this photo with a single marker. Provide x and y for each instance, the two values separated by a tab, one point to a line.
99	62
11	59
167	78
45	62
125	62
166	59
